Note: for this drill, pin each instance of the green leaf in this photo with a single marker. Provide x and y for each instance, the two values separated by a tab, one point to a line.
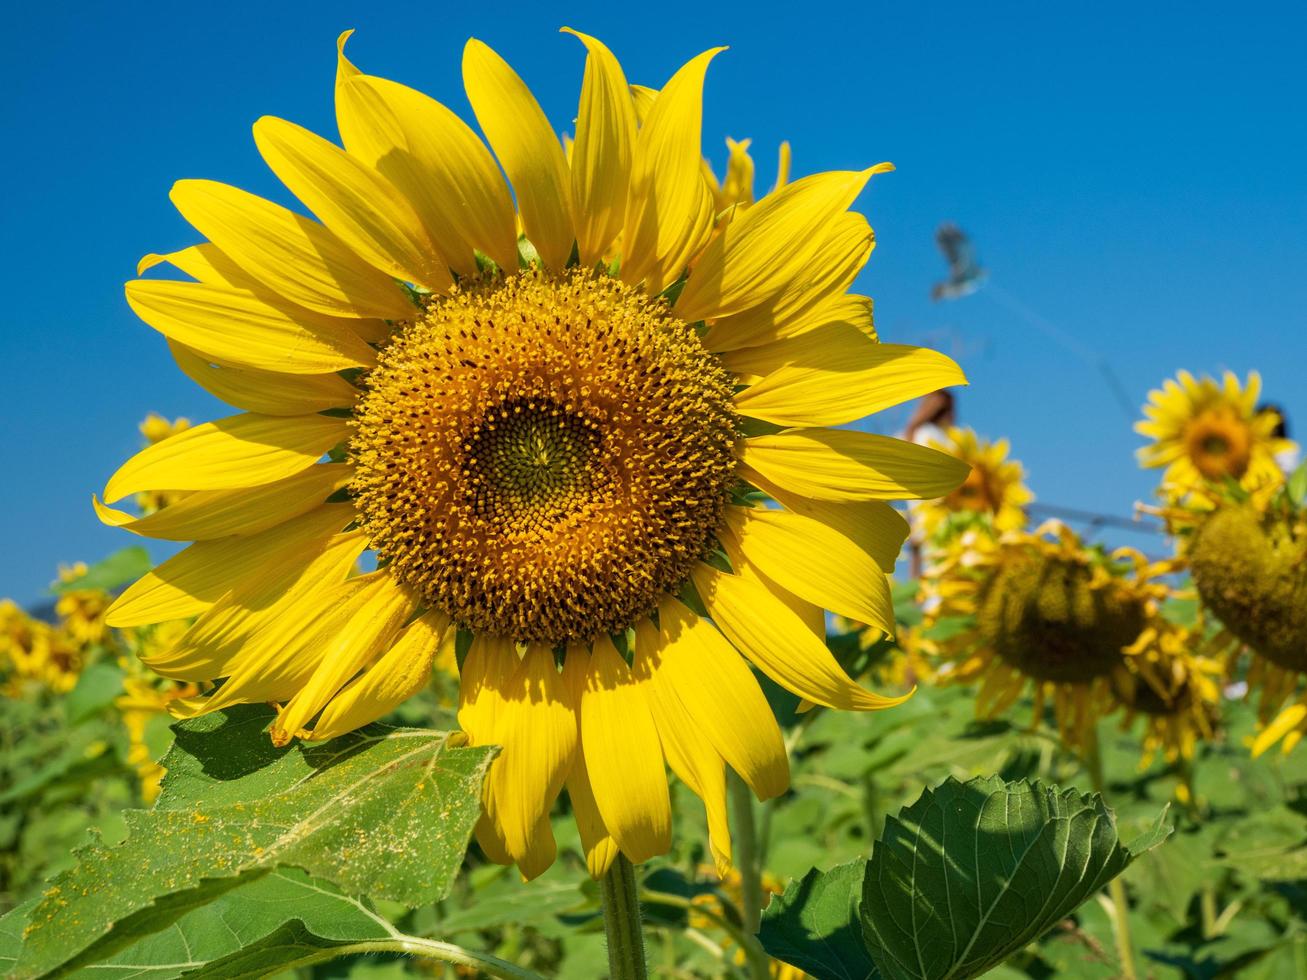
961	879
95	690
383	812
974	871
118	569
253	930
1297	486
814	924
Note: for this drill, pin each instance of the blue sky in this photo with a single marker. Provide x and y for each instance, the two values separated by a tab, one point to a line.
1132	173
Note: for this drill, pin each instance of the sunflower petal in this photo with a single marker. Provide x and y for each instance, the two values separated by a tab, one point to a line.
601	156
691	756
770	245
539	737
531	154
811	560
264	392
839	464
361	207
237	451
436	162
873	525
597	843
209	514
288	253
846	377
669	213
235	327
191	581
624	757
721	695
776	640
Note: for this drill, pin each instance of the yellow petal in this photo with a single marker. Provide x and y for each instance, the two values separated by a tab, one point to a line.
669	213
538	736
487	670
690	755
775	639
237	451
288	253
598	844
838	464
206	263
527	148
839	316
264	392
722	697
642	99
806	302
364	209
435	160
265	599
236	328
1288	719
811	560
623	756
601	155
769	246
365	626
191	581
873	525
209	514
401	672
845	377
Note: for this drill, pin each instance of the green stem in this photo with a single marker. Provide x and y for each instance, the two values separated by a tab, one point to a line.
747	859
484	964
622	922
1093	759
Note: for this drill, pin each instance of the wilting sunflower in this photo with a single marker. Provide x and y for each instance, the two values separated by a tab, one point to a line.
550	443
992	491
1249	565
1173	688
1207	432
1044	611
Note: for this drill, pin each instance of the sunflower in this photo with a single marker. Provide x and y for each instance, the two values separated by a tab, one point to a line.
992	491
1041	610
35	656
550	444
1176	691
1206	433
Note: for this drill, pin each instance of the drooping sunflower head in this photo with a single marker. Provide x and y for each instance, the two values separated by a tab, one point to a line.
994	491
1042	609
1207	432
546	441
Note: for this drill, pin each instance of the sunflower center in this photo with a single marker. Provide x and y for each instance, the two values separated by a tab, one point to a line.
543	458
1047	618
1219	444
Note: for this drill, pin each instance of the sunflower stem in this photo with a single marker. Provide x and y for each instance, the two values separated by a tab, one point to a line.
747	858
622	922
1093	760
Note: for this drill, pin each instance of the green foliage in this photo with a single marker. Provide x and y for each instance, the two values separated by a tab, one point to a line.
383	812
961	879
108	574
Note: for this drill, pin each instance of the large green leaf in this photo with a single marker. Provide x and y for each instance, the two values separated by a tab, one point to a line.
383	812
974	871
814	924
961	879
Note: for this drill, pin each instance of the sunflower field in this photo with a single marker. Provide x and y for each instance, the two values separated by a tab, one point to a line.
542	606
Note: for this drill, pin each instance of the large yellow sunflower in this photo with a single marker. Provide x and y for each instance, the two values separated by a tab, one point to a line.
549	443
1206	432
1043	611
993	489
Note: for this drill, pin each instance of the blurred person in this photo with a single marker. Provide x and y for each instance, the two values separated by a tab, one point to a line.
1287	459
929	423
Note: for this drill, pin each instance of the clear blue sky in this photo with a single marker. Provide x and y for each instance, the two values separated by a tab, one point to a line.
1132	172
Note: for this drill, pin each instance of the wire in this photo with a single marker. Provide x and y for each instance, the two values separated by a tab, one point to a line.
1095	519
1068	342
